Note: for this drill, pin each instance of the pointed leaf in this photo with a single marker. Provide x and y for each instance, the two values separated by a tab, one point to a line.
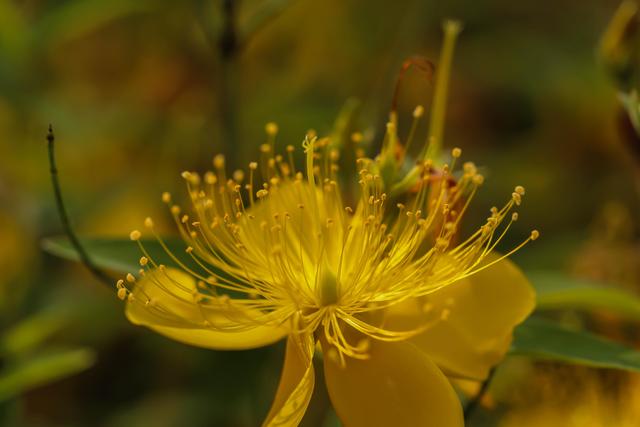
543	339
120	255
43	369
557	291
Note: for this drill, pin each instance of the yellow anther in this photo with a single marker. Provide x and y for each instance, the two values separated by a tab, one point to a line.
122	293
442	243
148	222
135	235
184	219
520	190
290	148
175	209
119	283
194	179
189	249
130	278
166	197
143	261
514	216
517	199
238	175
210	178
391	128
456	152
262	193
253	166
271	128
265	148
535	234
218	161
469	168
418	111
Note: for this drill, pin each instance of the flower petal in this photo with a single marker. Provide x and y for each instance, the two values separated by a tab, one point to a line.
481	312
163	300
296	383
397	386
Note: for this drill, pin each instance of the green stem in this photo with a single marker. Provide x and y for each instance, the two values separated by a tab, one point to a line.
64	218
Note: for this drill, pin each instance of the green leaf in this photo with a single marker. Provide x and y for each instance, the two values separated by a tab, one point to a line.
43	369
75	19
557	291
120	255
265	13
31	332
543	339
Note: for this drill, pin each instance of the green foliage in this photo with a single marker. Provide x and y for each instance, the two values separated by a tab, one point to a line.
31	332
119	255
543	339
556	291
77	18
41	369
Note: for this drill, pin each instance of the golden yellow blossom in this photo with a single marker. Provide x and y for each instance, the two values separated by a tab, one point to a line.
394	300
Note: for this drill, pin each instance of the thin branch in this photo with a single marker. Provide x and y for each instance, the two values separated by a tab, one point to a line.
473	403
64	218
228	50
228	43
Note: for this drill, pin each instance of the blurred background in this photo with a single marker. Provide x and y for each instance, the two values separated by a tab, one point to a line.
139	91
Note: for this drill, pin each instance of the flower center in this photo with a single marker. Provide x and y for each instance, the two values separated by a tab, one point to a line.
327	286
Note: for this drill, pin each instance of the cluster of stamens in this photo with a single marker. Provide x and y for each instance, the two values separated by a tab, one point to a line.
282	247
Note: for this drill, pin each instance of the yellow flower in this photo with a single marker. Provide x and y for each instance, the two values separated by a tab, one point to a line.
395	301
385	287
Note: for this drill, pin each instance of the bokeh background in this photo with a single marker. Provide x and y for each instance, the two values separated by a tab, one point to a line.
139	91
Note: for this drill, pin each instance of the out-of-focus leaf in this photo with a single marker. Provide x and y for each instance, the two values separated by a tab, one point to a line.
632	106
557	291
75	18
13	29
266	12
121	255
43	369
543	339
31	332
618	47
